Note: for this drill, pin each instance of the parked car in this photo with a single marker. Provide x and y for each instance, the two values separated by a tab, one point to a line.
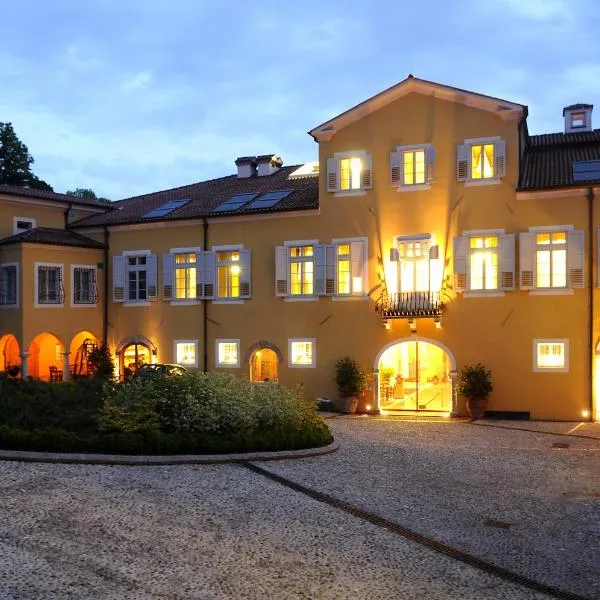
159	370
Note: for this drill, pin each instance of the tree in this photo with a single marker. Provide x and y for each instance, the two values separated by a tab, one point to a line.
87	194
15	161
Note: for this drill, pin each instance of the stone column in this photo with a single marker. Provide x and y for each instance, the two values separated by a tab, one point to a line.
375	409
66	371
24	370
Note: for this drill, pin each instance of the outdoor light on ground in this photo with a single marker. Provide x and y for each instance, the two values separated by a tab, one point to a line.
585	414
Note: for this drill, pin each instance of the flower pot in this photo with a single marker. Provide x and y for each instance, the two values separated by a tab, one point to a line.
476	407
349	404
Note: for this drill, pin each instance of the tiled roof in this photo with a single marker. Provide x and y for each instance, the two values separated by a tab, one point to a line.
15	190
576	107
206	195
548	159
53	237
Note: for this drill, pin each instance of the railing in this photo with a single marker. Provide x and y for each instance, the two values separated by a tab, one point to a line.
409	305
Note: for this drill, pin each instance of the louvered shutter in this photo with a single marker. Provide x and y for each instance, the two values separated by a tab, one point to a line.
199	275
357	266
330	270
119	270
499	159
168	267
429	164
151	277
366	172
460	263
281	271
462	162
209	268
507	262
575	258
332	175
527	261
319	266
245	274
396	168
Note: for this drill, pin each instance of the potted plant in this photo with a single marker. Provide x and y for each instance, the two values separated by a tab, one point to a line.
351	383
475	384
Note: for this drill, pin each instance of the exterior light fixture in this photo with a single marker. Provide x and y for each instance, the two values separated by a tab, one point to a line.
412	323
387	324
585	414
438	322
368	407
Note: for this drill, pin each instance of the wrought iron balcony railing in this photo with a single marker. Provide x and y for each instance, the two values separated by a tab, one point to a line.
409	305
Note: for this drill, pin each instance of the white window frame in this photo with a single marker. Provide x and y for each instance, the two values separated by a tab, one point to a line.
183	301
339	156
414	187
402	239
365	269
539	341
37	266
184	266
220	365
72	294
498	292
558	290
17	295
195	343
29	220
293	365
479	142
299	297
130	254
225	248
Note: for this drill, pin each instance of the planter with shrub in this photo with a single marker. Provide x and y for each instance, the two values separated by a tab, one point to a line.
475	385
351	381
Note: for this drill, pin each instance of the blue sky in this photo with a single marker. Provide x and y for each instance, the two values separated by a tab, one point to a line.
133	96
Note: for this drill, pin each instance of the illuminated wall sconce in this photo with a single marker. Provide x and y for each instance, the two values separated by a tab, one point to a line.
387	324
438	322
585	414
412	323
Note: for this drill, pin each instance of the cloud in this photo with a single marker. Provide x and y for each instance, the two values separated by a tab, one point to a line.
541	10
137	81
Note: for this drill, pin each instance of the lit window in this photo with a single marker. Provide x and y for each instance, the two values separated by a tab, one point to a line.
228	354
186	352
301	261
302	353
482	161
578	119
349	261
551	355
551	259
414	265
343	269
414	167
350	169
185	276
58	354
483	259
228	274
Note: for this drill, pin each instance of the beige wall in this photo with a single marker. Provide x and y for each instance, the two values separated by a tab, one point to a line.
45	216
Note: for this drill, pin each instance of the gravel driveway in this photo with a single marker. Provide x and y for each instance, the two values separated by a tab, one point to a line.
209	532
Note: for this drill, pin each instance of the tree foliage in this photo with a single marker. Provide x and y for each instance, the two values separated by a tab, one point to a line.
87	194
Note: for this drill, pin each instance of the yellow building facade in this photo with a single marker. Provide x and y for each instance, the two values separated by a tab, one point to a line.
433	232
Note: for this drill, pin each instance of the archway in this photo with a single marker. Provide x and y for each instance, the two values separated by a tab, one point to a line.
10	359
133	353
415	375
46	358
81	345
263	359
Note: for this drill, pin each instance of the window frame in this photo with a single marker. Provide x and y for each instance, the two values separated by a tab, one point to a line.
540	248
470	181
175	357
186	266
30	220
293	244
335	242
540	341
227	299
135	254
17	295
293	365
95	291
36	283
428	179
364	157
218	364
425	238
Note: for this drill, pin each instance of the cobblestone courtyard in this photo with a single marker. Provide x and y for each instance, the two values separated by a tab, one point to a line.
71	531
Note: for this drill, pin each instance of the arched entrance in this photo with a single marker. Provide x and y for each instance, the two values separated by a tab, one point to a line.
81	345
416	375
134	353
46	358
10	359
263	359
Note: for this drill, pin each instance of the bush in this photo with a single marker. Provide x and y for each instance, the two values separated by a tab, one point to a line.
350	378
475	382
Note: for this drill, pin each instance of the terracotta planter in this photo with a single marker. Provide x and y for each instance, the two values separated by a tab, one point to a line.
476	407
348	404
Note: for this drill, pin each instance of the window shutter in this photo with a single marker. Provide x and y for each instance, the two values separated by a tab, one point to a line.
575	258
429	164
209	268
330	270
462	162
118	278
199	275
460	263
396	168
507	262
281	271
527	260
320	268
332	174
151	277
356	265
366	172
168	266
245	273
499	158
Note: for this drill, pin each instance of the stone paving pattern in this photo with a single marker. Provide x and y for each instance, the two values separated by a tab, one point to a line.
211	532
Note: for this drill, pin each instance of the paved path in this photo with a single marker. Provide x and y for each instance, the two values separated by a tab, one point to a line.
72	531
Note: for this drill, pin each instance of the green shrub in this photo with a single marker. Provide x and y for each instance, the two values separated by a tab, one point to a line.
350	378
475	382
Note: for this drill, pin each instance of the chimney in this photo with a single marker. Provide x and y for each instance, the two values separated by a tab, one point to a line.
268	164
578	117
246	167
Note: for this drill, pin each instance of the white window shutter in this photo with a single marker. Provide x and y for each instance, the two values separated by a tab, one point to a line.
499	158
576	258
462	162
332	175
199	275
357	266
281	271
319	266
507	262
460	263
429	164
396	168
209	267
152	277
245	274
366	172
330	270
168	267
119	271
527	261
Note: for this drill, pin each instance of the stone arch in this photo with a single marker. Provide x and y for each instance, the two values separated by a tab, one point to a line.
135	339
262	345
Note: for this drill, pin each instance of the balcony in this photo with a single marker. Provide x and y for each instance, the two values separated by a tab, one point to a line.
409	305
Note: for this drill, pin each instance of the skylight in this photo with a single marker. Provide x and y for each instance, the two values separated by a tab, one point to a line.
235	202
269	199
165	209
586	170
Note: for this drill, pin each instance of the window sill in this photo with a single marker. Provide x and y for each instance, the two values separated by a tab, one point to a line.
293	366
550	370
49	305
348	298
556	292
346	193
131	303
74	305
491	294
301	299
236	366
186	302
480	182
5	306
232	301
422	187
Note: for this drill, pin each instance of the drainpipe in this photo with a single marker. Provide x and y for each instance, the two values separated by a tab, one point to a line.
590	198
66	214
105	307
205	305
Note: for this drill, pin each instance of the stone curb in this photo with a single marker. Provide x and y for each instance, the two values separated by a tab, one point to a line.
570	435
191	459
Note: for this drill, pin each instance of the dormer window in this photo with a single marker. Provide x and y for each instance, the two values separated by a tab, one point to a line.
577	120
578	117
